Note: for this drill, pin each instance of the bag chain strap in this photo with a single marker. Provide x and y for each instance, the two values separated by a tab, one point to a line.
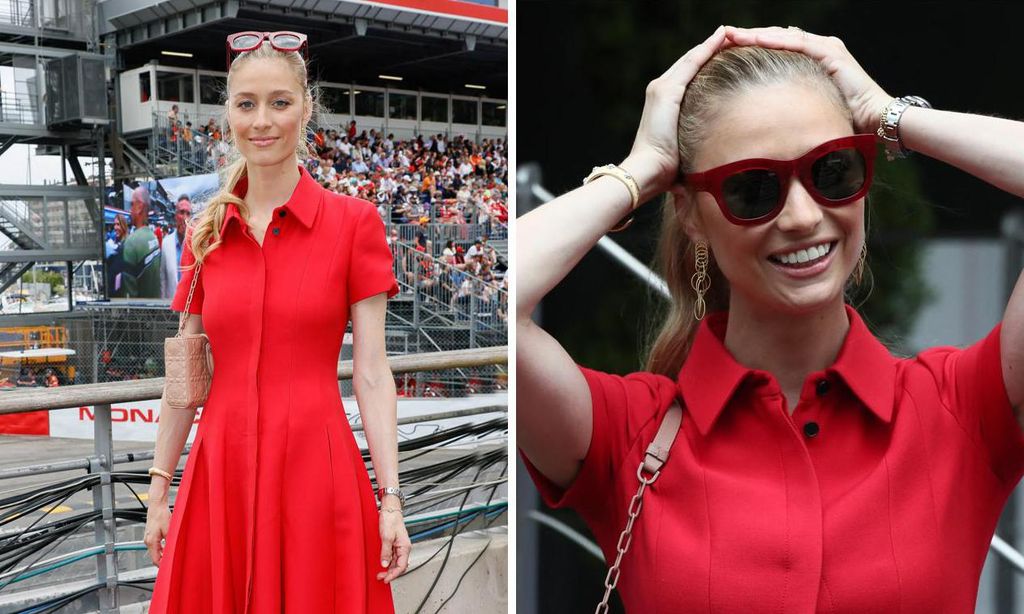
654	459
635	505
188	301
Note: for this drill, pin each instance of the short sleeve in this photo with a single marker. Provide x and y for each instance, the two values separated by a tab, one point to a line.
181	292
371	269
971	387
624	408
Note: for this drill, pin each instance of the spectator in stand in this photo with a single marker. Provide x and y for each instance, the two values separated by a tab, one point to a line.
27	377
475	250
359	166
352	130
449	251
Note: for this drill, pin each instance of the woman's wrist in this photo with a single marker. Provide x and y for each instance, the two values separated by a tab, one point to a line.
390	501
645	174
158	489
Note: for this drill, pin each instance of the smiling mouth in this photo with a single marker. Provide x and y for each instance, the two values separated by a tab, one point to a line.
803	258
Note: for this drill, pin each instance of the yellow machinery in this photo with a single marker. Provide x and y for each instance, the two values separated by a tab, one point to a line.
35	349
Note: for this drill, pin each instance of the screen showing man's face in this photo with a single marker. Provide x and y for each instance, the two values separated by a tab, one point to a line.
182	213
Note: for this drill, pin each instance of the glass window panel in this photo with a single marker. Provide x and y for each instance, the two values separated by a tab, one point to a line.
370	104
464	111
210	89
494	113
174	87
434	109
335	100
145	89
401	106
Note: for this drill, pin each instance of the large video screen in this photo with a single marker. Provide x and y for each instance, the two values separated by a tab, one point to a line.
143	239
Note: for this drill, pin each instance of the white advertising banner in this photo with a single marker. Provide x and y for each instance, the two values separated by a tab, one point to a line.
137	421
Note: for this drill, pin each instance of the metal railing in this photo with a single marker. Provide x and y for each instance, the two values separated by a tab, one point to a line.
450	294
19	108
461	234
101	464
180	150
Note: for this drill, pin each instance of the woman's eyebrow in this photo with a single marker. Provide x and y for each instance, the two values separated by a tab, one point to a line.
273	93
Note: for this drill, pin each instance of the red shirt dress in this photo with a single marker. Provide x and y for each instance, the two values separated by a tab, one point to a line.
879	494
275	512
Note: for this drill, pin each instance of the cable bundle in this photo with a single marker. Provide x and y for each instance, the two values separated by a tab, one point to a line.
429	485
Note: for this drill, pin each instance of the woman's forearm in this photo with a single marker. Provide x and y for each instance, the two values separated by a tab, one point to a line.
990	148
553	238
375	393
171	434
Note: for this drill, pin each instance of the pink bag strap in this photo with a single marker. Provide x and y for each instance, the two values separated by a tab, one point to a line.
188	301
654	459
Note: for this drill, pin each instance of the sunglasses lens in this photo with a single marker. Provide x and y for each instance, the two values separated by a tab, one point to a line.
287	41
245	41
751	194
839	174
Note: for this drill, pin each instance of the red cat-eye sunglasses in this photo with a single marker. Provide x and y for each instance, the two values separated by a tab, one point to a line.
753	191
240	42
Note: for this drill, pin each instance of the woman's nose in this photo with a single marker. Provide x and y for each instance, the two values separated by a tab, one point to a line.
262	116
801	212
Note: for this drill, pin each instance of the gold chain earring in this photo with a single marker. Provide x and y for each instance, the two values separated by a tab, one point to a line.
700	282
858	272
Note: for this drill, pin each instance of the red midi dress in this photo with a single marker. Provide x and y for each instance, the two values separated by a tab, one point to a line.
275	512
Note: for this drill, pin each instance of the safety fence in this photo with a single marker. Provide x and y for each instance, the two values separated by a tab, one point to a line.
110	342
454	471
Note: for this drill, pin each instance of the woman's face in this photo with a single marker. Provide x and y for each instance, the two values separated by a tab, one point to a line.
779	122
266	111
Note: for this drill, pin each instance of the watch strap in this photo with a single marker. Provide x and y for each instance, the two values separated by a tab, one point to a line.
889	124
391	490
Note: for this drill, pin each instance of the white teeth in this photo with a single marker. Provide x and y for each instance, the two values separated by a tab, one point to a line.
805	255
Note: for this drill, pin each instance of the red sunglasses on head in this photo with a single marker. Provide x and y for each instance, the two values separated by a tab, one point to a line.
753	191
240	42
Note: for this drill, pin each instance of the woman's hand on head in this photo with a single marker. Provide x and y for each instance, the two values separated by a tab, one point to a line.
654	159
865	98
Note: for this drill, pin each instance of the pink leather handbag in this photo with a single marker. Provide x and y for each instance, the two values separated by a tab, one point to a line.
188	363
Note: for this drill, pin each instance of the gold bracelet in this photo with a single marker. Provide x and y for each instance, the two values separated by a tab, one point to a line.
154	471
393	510
622	175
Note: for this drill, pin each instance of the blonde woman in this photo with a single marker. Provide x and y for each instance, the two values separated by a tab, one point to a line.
813	471
275	511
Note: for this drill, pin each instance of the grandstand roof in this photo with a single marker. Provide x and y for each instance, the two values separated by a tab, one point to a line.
434	45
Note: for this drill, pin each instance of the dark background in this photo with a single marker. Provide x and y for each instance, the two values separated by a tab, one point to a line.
581	72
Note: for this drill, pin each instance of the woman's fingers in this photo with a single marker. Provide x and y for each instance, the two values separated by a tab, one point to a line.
863	95
154	545
401	562
687	66
792	38
403	558
386	551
